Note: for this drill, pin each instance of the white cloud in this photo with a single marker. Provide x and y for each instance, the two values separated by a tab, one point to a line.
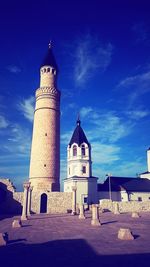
3	122
137	86
137	114
105	126
13	69
85	111
65	138
129	168
26	106
118	168
90	56
19	141
140	79
104	153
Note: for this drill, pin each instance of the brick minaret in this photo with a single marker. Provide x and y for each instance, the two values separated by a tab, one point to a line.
45	150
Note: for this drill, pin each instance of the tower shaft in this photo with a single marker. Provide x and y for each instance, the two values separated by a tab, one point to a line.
45	151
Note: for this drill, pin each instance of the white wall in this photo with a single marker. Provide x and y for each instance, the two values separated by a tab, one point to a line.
86	187
145	175
123	196
145	196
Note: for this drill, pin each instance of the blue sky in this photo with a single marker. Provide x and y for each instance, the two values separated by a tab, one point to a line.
102	50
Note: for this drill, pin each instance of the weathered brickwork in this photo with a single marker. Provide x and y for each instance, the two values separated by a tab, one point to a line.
45	151
57	202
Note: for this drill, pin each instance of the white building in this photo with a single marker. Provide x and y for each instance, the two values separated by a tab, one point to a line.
79	168
147	173
124	189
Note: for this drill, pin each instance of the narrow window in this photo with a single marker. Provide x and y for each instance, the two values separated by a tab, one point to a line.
53	71
48	70
74	151
85	200
44	70
84	169
45	134
44	165
139	199
83	150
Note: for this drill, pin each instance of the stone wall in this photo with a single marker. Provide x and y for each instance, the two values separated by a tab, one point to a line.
128	206
57	202
11	201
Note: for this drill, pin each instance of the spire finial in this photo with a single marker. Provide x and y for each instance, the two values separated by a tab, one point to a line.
50	44
78	120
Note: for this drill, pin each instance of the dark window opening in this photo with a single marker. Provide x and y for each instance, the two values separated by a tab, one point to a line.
84	169
85	200
83	150
74	151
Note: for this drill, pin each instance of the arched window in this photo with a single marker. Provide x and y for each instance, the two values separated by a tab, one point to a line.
74	150
83	150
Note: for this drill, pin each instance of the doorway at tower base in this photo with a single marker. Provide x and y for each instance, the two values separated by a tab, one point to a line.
51	202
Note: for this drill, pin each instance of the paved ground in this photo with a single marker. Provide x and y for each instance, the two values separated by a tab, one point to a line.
64	240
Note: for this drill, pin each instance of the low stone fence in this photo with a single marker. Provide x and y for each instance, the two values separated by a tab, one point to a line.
129	206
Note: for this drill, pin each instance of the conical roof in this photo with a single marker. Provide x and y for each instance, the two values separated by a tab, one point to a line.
78	136
49	59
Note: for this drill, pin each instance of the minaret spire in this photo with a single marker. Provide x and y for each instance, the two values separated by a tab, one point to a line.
78	120
50	44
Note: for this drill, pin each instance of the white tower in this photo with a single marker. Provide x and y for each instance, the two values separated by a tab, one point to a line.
79	154
45	150
79	168
148	159
147	173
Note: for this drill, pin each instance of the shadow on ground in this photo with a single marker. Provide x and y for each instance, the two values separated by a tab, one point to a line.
65	253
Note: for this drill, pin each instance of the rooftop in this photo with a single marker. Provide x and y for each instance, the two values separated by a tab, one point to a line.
126	183
49	59
78	136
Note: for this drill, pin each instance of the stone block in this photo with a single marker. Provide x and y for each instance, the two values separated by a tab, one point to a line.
3	239
16	224
125	234
135	215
